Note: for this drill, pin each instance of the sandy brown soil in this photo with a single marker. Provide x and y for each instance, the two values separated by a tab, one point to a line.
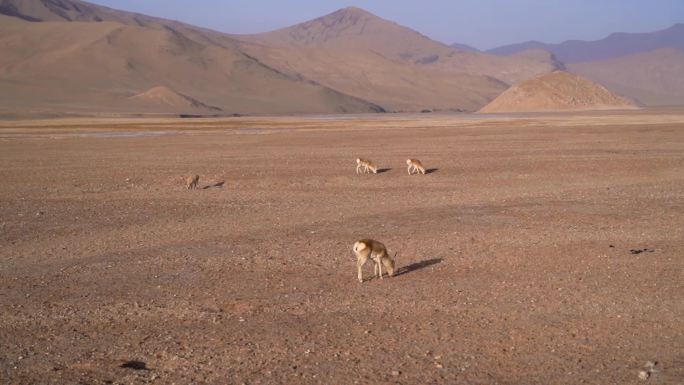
557	91
514	251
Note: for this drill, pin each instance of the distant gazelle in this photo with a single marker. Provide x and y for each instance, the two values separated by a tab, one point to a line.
365	166
191	182
368	248
415	165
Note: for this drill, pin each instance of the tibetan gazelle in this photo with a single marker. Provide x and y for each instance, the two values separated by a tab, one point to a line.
368	248
415	165
365	166
191	182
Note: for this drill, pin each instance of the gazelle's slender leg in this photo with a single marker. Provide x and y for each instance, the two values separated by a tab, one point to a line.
379	263
359	264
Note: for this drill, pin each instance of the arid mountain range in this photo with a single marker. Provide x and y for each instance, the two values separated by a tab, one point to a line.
73	56
78	66
616	45
380	61
653	77
648	67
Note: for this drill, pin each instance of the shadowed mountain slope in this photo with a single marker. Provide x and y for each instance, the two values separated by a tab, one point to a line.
165	99
97	66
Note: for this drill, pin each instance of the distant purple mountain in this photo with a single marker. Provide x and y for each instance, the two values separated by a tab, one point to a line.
464	47
615	45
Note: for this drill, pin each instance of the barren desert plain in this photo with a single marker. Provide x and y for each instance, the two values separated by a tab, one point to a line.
538	249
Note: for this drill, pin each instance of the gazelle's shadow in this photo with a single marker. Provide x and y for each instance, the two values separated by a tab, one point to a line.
431	170
215	185
417	266
381	170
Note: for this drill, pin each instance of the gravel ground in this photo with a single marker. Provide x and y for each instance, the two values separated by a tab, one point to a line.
538	250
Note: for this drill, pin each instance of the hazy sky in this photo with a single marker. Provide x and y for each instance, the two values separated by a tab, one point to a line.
481	23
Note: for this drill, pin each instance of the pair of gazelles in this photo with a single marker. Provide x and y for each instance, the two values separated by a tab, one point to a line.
366	166
362	166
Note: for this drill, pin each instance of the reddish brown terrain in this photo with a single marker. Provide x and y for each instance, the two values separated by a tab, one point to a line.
540	249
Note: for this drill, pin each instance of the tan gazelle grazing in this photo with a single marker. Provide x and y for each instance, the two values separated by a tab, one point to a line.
415	165
376	251
191	182
365	166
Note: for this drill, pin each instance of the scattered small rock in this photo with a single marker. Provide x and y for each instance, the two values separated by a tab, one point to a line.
135	365
396	373
644	375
